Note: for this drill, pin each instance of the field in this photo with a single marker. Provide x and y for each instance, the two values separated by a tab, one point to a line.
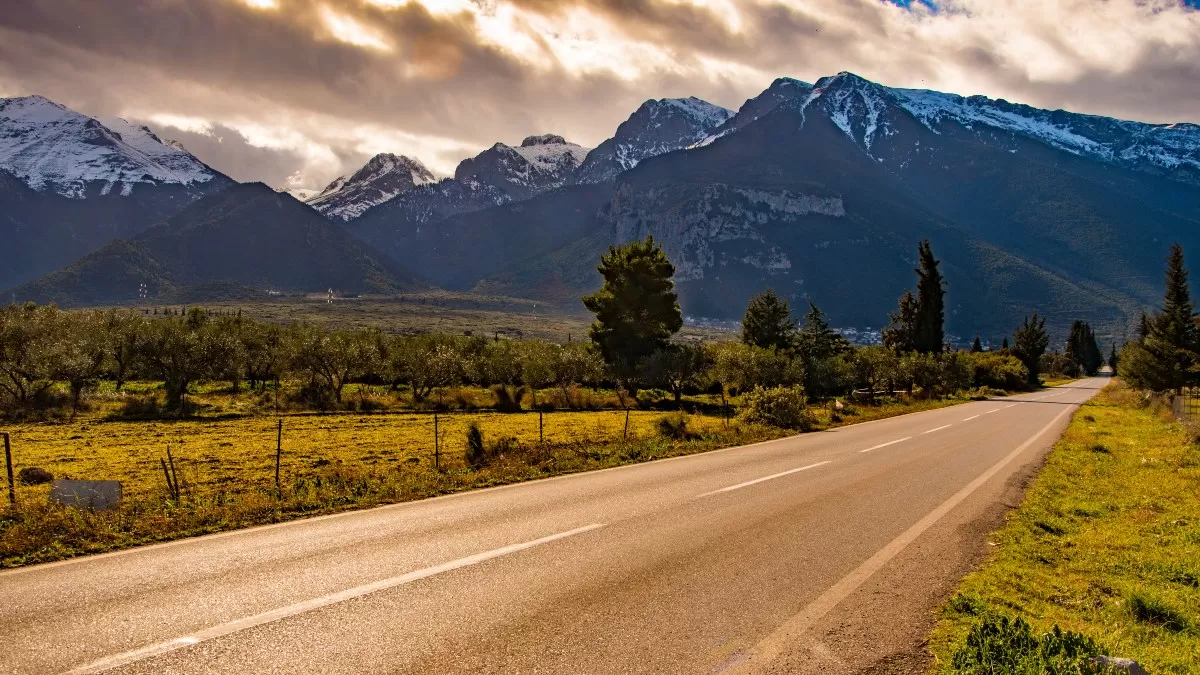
329	462
1106	543
435	312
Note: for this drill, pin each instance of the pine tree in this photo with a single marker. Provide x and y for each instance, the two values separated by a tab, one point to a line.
1030	341
976	346
817	344
1112	358
1082	349
929	336
768	322
637	309
1165	356
1004	345
900	334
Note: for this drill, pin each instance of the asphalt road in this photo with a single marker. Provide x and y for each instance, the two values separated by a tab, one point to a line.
826	552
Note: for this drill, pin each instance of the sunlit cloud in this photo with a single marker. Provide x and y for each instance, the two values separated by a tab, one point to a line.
347	29
262	4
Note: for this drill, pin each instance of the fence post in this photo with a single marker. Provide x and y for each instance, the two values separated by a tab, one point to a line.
278	455
437	455
540	437
167	476
12	487
174	477
625	433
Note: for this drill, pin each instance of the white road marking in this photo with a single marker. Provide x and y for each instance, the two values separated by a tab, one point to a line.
772	646
764	478
992	411
213	632
1009	406
972	417
944	426
884	445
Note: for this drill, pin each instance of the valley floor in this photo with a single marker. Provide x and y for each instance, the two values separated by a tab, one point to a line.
1105	543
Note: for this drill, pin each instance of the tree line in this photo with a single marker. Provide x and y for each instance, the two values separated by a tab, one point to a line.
52	359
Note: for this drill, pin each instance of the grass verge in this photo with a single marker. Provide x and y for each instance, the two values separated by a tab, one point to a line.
1105	544
330	462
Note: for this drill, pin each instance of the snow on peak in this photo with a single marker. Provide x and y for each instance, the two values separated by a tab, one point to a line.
864	111
704	113
382	178
544	139
552	153
53	148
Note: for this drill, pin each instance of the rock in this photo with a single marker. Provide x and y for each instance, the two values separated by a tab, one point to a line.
31	475
1118	665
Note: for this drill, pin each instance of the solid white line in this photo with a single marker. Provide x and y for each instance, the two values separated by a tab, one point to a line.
770	647
884	445
944	426
315	603
972	417
764	478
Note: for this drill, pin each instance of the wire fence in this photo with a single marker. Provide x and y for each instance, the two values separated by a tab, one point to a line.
1186	406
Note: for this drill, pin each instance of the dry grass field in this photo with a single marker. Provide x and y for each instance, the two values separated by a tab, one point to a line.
225	464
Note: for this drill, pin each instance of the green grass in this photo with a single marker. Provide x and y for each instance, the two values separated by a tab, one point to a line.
1106	542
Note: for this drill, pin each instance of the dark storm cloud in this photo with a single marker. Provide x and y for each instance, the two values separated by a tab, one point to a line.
292	100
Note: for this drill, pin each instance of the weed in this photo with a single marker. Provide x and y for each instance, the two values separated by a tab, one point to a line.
1150	609
674	426
1000	644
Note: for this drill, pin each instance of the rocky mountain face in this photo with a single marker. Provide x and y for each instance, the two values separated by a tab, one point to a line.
823	191
656	128
383	177
71	183
242	241
539	164
503	174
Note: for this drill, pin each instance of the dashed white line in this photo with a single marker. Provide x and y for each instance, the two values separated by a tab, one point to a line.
972	417
764	478
944	426
992	411
884	445
149	651
1009	406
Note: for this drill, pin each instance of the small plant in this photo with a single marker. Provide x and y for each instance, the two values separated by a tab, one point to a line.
477	452
783	407
31	475
674	425
999	644
1149	609
508	401
1101	448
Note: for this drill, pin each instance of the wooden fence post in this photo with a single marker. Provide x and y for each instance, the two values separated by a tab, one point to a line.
437	455
540	436
174	477
278	456
12	486
625	433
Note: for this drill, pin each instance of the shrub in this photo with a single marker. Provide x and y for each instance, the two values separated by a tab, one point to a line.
477	453
508	401
998	371
1149	609
674	425
999	644
31	475
784	407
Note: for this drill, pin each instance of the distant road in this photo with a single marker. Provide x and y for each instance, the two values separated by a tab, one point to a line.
826	552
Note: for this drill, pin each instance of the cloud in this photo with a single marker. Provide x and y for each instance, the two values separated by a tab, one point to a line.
304	90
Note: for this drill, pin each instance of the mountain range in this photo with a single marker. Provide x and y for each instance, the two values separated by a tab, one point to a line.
818	190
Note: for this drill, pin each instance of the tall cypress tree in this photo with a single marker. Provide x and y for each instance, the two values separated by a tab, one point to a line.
900	335
1165	356
931	296
976	346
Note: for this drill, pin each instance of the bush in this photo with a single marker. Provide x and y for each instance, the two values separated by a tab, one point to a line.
31	475
999	644
674	425
997	371
477	453
784	407
507	401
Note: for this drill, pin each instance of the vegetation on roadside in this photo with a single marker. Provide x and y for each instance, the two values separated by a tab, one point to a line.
1106	544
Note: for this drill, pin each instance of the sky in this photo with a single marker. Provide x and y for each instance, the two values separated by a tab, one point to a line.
297	92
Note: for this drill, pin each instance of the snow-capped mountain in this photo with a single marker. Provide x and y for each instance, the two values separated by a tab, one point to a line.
782	90
383	177
657	127
55	149
869	113
539	164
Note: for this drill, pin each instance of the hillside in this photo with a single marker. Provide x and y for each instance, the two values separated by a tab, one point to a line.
247	239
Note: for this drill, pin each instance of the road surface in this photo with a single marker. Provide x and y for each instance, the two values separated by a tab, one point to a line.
826	552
